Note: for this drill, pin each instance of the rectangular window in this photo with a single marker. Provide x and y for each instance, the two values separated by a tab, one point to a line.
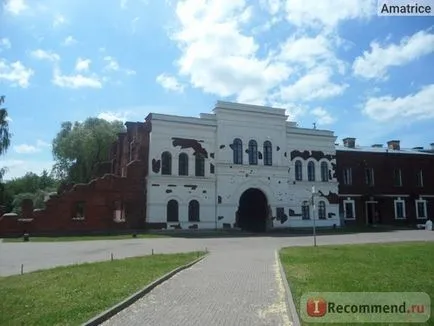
397	178
348	176
421	211
305	211
349	210
399	209
419	178
78	211
369	176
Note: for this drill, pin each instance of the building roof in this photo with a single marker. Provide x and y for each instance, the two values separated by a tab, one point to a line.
371	149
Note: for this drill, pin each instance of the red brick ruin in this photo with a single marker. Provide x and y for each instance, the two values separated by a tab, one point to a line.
113	201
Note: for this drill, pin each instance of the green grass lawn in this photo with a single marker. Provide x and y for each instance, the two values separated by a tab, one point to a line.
86	237
399	267
73	294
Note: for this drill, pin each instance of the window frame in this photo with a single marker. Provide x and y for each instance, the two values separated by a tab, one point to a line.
253	152
166	156
237	151
183	164
395	205
324	168
298	170
425	209
268	153
322	207
311	177
353	209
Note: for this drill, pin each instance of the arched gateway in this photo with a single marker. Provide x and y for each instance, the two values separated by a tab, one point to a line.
252	211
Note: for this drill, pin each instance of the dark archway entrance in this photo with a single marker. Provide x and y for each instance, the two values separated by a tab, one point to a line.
252	211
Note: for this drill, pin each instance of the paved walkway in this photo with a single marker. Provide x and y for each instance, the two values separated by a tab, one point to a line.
241	287
237	284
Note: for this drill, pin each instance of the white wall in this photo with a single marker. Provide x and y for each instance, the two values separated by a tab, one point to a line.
218	131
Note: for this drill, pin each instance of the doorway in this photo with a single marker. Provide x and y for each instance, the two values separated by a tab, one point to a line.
252	211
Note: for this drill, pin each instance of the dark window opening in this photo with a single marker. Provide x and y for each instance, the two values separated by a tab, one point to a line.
348	176
369	176
311	171
79	211
305	210
238	151
193	211
324	172
268	153
172	211
253	152
183	164
166	163
200	165
397	180
322	210
298	170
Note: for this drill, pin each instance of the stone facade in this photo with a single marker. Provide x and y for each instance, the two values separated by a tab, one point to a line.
222	138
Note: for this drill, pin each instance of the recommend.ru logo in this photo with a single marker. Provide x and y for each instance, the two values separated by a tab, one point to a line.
363	307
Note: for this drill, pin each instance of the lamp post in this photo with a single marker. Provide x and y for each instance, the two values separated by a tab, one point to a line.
313	213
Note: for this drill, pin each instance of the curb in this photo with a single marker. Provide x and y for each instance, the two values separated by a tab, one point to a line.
136	296
289	297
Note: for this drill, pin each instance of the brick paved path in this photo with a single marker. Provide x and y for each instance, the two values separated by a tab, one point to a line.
241	287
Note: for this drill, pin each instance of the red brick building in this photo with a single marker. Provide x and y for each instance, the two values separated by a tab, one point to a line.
113	201
385	185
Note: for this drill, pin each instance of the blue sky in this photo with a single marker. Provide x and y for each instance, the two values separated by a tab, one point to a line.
332	62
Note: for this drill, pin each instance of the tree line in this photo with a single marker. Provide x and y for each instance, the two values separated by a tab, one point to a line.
77	150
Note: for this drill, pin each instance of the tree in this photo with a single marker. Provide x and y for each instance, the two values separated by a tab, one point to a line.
5	136
5	141
80	146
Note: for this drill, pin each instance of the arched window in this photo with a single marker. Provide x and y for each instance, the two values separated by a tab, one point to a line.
166	163
311	171
321	210
199	165
305	211
268	153
324	172
298	170
193	211
238	151
172	211
183	164
253	152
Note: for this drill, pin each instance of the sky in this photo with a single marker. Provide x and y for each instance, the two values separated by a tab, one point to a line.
335	63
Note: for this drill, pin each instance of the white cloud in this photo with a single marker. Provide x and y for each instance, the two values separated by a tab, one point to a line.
374	63
123	4
69	40
314	85
328	14
15	73
58	20
113	65
416	106
114	116
15	6
323	117
82	64
170	83
30	149
218	58
5	44
45	55
18	168
75	81
25	149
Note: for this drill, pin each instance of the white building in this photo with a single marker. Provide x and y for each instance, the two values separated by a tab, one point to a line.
241	158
